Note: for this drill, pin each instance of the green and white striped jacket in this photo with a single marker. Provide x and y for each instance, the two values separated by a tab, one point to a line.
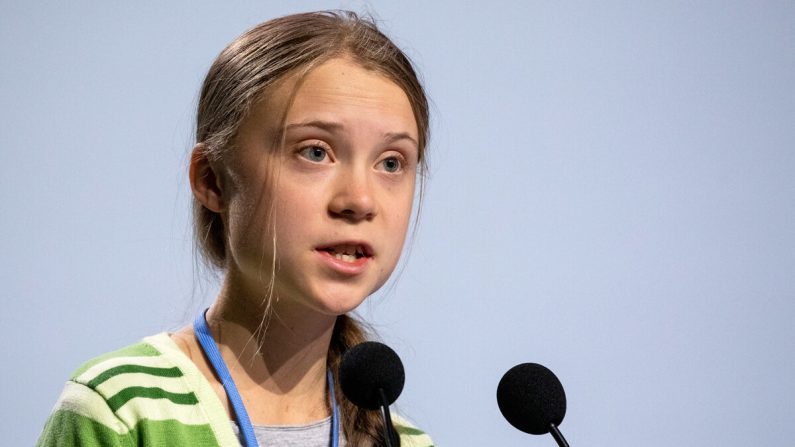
150	394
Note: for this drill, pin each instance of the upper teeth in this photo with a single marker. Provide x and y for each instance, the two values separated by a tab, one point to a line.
347	251
345	257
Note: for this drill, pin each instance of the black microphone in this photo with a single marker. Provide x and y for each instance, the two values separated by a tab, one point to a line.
532	399
372	377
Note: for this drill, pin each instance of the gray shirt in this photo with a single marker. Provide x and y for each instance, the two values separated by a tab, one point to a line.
316	434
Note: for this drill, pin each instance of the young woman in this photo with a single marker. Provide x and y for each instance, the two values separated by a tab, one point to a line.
310	141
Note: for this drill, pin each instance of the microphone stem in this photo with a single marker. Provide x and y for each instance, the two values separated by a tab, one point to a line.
558	436
388	429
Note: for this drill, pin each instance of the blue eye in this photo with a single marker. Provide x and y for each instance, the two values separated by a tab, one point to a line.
314	153
391	164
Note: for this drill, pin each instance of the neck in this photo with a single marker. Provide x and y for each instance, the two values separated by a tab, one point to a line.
276	354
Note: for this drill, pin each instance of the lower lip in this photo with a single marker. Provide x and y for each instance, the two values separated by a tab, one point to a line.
346	268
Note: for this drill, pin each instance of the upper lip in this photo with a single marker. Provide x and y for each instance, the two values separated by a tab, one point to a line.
367	250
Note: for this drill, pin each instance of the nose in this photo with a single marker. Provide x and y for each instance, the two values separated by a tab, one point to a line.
353	197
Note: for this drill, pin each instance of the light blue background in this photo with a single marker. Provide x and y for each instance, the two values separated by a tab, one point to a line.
612	195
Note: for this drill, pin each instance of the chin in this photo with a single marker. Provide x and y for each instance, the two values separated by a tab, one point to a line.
332	298
338	307
338	302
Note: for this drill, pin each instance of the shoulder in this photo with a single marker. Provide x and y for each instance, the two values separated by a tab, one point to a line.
410	436
82	417
146	390
134	376
134	352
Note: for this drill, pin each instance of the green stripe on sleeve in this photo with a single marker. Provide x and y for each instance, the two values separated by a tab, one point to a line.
171	432
137	350
411	436
66	428
123	396
409	431
123	369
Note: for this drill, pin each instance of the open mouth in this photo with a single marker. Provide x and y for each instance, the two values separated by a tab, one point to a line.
348	252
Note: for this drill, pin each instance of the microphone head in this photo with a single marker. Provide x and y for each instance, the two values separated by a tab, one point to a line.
531	398
368	367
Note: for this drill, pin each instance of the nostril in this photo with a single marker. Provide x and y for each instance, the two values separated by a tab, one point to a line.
351	209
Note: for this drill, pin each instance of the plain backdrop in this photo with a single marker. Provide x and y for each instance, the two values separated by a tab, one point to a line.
612	194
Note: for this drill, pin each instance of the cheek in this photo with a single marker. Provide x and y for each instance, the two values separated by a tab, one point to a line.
247	219
400	215
247	232
294	212
405	203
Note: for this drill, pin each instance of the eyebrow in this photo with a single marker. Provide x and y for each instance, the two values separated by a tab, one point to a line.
323	125
329	126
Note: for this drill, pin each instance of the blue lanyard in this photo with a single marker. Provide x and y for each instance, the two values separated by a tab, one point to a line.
244	423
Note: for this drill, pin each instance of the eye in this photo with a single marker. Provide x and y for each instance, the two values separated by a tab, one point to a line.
314	153
391	164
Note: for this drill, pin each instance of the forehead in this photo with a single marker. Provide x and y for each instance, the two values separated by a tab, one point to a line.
341	91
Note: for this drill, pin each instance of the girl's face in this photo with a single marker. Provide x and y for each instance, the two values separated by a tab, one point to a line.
341	194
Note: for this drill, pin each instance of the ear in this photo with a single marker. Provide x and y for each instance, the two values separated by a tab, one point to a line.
205	181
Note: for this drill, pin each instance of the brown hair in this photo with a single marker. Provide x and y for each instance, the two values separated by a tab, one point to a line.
238	77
